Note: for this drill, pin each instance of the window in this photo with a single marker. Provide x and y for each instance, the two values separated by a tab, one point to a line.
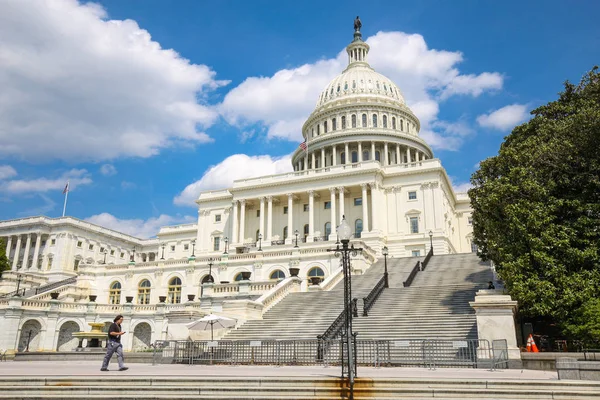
325	127
334	124
305	230
343	122
384	120
52	242
285	209
354	121
374	120
257	213
412	195
91	247
416	253
306	207
114	293
144	292
318	130
172	248
112	252
285	232
343	158
414	224
207	279
216	243
122	254
316	272
327	229
186	246
218	218
101	249
393	122
277	274
76	265
401	124
366	155
79	244
473	247
43	243
378	155
327	205
364	120
174	294
354	157
239	277
470	220
358	227
358	201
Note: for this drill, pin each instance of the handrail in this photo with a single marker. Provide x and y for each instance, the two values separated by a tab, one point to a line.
335	328
45	288
412	275
427	258
373	296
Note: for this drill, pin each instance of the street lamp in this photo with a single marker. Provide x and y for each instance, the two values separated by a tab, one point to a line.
226	239
133	255
260	242
384	251
193	247
349	338
163	252
296	233
19	279
431	242
210	277
105	251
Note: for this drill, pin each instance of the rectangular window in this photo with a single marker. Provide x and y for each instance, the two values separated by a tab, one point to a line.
101	249
112	252
412	195
122	254
172	248
327	205
470	221
414	224
257	213
354	121
79	244
325	126
473	248
364	120
334	124
218	218
91	247
186	246
285	209
306	207
76	265
217	243
416	253
52	242
43	243
358	201
344	122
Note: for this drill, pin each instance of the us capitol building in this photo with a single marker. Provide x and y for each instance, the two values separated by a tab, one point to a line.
364	160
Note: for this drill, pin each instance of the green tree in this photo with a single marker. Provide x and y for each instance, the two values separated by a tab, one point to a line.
3	257
537	210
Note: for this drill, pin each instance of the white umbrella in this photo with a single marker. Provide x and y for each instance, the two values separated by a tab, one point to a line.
211	320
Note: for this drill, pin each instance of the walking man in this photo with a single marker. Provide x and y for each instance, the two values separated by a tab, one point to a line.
114	344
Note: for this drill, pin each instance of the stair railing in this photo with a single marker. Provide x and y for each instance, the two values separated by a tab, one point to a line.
334	330
373	296
45	288
412	275
426	260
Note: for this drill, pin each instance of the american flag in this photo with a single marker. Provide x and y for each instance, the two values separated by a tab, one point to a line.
303	145
66	189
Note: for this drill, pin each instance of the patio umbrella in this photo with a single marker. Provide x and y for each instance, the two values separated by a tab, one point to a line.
211	320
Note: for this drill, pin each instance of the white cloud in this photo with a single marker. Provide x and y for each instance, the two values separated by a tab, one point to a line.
76	177
6	171
138	227
48	206
80	87
108	170
426	76
237	166
460	187
505	118
126	185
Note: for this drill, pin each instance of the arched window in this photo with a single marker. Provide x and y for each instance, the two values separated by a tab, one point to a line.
277	274
358	227
401	124
114	294
343	157
374	120
353	84
238	277
174	294
377	155
144	292
354	157
343	122
393	122
354	120
207	279
345	85
334	124
384	121
327	229
365	155
364	120
325	127
316	271
318	130
285	232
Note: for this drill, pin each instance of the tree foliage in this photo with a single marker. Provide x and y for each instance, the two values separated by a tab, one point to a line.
537	209
4	266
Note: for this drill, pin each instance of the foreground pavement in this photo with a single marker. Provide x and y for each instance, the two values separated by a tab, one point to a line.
92	368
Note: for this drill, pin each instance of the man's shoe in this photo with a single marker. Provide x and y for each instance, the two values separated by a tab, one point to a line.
103	369
123	369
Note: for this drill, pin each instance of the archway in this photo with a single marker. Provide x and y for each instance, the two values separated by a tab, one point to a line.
66	341
34	340
142	336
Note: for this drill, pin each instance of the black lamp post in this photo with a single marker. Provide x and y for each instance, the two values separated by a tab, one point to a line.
105	251
296	233
260	242
163	252
19	279
226	239
349	338
28	341
384	251
210	277
431	242
133	255
193	248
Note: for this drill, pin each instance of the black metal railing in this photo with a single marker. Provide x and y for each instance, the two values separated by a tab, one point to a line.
373	296
41	289
335	329
277	242
412	275
426	260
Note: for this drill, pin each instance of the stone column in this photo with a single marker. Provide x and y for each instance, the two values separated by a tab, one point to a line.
341	192
261	226
374	207
311	214
360	152
235	225
334	152
372	150
385	154
200	237
26	253
36	250
269	219
242	220
306	160
365	207
347	156
16	255
408	155
290	218
323	157
8	247
333	223
398	154
312	160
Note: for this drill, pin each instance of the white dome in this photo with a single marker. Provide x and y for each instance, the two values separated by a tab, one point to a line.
360	80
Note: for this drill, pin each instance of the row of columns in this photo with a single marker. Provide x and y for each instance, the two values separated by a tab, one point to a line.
384	158
36	251
337	200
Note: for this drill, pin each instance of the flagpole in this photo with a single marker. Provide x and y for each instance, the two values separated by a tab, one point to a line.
66	196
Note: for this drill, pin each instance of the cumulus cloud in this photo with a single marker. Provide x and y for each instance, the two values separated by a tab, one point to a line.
108	170
6	171
80	87
237	166
426	76
138	227
460	187
505	118
75	177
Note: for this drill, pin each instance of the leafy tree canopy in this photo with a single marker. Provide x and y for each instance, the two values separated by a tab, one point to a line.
3	257
537	210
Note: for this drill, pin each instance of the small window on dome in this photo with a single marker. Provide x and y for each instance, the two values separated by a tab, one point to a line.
374	120
364	120
353	84
385	87
318	130
325	127
331	91
384	121
393	122
334	124
338	89
401	124
343	122
346	86
377	85
354	121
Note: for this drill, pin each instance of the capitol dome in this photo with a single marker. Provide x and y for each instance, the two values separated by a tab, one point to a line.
360	116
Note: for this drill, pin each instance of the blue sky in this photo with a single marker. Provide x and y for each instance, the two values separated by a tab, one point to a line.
141	104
